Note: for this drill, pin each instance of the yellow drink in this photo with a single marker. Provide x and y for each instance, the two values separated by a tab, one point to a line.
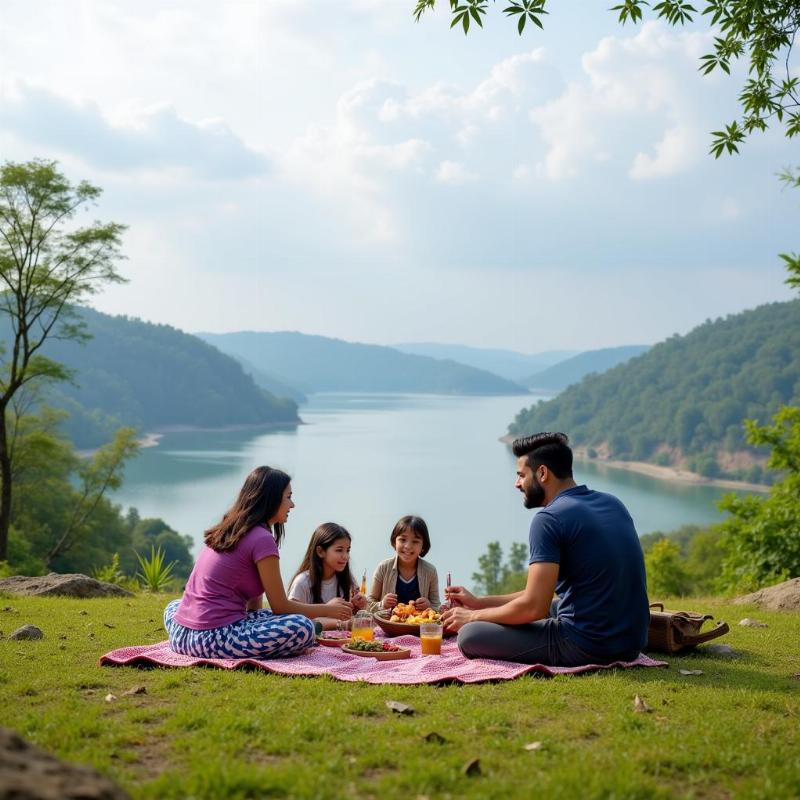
367	634
431	645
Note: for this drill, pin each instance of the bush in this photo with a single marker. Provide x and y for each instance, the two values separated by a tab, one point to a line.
666	572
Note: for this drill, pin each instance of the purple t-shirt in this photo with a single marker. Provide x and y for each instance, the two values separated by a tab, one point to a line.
221	584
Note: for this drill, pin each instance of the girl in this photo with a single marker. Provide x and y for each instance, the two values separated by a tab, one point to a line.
407	576
325	572
220	614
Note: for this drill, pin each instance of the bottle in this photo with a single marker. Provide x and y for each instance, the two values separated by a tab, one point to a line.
363	588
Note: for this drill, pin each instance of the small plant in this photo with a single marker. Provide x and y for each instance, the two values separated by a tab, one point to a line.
155	575
110	573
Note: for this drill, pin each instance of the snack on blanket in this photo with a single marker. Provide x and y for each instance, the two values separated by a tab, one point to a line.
373	646
407	613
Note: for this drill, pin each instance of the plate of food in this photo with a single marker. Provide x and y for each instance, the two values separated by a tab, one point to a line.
404	619
383	651
335	638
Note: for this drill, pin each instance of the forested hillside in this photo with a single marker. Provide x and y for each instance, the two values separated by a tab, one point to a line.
147	376
682	403
317	364
505	363
570	371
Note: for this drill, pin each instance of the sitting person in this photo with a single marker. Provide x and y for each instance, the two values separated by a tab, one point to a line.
407	576
325	573
220	613
584	547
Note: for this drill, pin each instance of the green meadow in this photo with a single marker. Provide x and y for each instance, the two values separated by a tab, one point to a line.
205	733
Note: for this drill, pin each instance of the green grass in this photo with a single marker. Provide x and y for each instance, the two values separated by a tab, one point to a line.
204	733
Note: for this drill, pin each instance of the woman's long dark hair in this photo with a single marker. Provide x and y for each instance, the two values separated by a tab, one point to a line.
325	536
259	500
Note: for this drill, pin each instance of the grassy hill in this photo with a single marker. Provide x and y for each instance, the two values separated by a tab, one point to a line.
150	376
682	403
317	364
571	370
727	730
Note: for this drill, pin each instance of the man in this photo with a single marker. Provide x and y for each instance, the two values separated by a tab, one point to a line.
583	547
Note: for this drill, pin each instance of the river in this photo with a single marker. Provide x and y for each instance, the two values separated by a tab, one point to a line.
364	460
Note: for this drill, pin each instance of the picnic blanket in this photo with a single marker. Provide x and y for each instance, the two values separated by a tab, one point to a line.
449	666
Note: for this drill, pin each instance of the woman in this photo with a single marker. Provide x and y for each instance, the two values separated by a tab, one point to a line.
220	614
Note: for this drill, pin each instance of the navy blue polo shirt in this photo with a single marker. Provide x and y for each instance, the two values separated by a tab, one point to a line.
602	586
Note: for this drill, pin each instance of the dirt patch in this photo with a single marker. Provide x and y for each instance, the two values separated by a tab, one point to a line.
781	597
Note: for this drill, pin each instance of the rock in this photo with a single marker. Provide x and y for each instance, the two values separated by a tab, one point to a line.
27	632
781	597
753	623
639	705
472	768
28	773
64	585
718	650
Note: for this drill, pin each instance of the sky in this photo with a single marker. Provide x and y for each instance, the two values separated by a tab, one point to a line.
336	168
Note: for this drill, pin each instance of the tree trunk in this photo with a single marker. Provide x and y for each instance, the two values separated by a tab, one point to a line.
5	487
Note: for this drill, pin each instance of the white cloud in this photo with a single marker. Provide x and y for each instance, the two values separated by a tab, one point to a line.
675	152
634	87
155	139
453	173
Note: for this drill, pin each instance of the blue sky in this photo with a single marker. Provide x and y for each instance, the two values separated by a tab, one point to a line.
336	168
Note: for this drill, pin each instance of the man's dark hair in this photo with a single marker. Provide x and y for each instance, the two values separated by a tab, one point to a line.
549	449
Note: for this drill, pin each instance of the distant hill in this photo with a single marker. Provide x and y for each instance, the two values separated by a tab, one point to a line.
149	376
682	403
317	363
506	363
270	383
565	373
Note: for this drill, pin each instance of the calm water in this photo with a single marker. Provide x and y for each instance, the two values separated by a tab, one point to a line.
366	460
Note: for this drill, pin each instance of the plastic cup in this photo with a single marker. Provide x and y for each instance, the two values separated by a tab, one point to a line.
362	627
430	638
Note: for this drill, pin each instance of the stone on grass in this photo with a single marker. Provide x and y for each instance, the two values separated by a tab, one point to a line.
56	584
28	773
781	597
752	623
719	650
27	632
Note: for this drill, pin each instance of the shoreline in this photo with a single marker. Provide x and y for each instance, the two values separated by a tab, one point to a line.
662	473
153	438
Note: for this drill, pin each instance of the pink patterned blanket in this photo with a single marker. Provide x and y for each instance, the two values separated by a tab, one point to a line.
450	666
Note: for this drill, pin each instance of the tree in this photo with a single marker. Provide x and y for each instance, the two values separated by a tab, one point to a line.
47	264
762	535
760	31
666	573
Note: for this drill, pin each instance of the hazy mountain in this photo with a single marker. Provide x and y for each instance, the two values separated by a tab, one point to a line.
150	376
683	401
271	383
506	363
570	371
317	363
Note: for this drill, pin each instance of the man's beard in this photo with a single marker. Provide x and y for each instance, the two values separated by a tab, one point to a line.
534	495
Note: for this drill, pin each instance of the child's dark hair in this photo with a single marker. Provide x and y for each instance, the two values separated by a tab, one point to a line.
325	536
415	525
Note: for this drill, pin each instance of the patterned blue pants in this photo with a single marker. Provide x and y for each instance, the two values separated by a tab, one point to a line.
261	634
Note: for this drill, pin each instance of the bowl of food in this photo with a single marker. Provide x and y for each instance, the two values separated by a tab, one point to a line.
404	619
383	651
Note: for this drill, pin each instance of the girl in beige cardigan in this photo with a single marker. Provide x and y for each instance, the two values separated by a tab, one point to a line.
406	576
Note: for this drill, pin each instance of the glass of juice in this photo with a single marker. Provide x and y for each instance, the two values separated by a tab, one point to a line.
362	627
430	638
